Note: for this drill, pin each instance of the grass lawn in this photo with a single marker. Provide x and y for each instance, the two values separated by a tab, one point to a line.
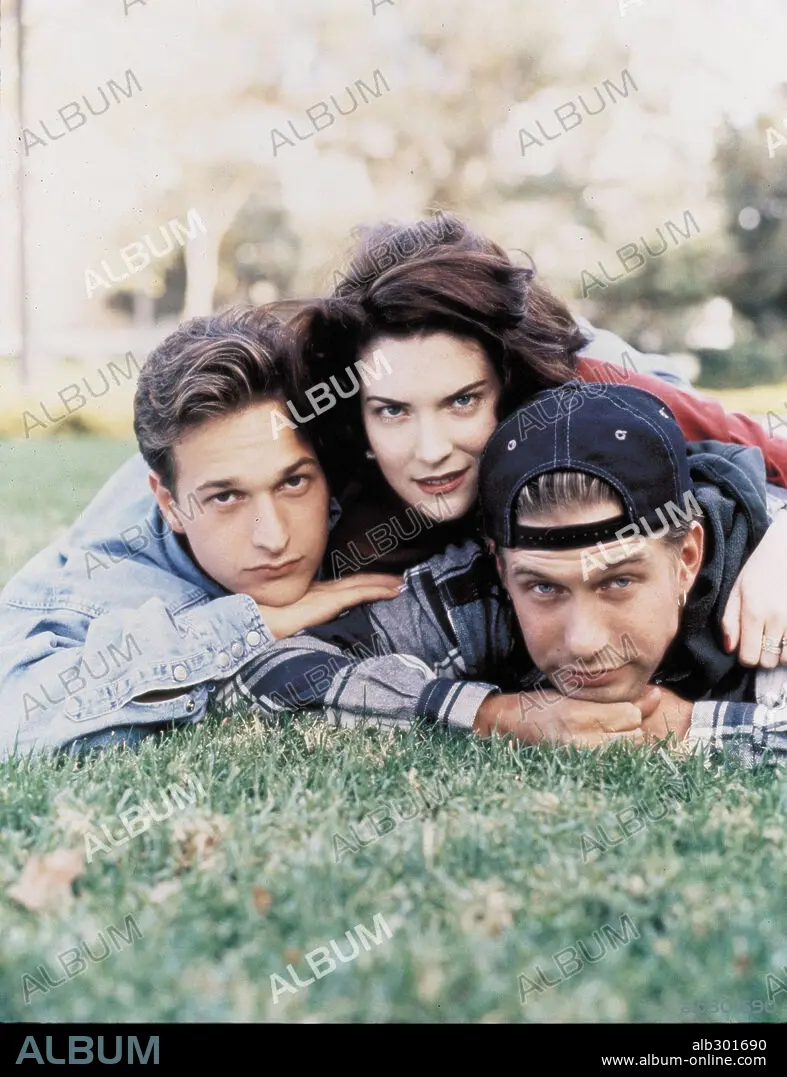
500	866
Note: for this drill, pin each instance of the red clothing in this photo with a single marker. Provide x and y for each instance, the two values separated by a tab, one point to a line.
699	418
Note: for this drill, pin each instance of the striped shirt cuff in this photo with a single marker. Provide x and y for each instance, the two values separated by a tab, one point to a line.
453	704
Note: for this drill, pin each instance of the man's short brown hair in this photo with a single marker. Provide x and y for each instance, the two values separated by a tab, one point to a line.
210	367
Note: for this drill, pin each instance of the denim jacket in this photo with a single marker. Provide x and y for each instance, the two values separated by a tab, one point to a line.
111	611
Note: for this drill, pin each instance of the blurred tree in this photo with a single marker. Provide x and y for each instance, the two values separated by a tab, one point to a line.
260	254
461	84
752	273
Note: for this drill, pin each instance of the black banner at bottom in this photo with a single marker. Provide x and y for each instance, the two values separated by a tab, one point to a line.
601	1046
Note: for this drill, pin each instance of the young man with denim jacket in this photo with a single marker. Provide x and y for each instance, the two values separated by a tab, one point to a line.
147	606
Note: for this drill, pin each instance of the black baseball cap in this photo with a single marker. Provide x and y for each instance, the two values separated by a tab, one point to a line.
621	434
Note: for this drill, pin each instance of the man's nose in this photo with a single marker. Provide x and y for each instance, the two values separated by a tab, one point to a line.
585	636
270	532
432	445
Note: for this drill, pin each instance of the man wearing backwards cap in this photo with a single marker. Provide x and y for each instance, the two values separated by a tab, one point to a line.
616	561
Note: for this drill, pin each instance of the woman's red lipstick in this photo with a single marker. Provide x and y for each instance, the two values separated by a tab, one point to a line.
442	484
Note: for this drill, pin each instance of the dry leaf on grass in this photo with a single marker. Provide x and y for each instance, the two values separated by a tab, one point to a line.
428	842
163	891
70	817
45	882
199	840
429	983
636	886
742	964
262	900
490	911
544	801
310	739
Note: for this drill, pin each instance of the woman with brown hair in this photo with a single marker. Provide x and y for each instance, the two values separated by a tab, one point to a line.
464	336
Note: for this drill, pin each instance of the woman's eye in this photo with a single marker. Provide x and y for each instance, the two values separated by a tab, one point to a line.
548	588
466	400
390	411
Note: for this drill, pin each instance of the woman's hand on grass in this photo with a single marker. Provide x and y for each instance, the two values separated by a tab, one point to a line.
326	600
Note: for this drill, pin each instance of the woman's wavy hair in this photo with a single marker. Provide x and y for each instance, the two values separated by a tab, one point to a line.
435	276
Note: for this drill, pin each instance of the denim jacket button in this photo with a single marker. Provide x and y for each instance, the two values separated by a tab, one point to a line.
179	673
253	638
223	659
190	705
238	650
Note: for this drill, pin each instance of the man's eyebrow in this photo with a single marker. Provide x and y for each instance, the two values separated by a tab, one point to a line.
451	396
633	559
520	571
217	484
235	484
303	462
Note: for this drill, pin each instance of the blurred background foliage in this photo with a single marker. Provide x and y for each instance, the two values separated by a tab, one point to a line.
450	126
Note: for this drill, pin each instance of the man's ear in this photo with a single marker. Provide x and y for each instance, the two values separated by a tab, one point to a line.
691	556
166	502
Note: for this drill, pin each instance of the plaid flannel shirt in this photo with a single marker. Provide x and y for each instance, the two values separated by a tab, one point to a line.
427	656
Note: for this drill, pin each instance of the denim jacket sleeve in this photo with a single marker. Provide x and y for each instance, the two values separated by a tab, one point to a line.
66	673
90	629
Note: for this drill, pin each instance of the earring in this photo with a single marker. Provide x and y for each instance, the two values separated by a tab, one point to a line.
682	601
369	454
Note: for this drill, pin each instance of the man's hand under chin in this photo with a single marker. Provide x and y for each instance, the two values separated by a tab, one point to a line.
671	715
549	716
